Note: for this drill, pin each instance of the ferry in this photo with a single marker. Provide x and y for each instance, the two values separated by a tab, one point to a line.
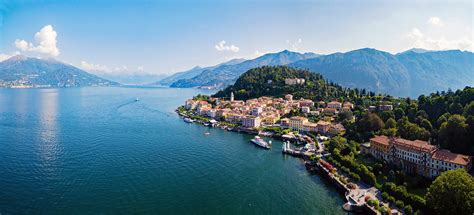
261	142
188	120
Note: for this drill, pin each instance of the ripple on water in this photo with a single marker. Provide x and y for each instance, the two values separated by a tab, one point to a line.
102	154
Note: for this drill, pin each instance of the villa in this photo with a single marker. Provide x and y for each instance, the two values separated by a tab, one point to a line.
416	156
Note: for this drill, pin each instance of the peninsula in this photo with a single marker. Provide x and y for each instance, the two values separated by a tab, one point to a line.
379	150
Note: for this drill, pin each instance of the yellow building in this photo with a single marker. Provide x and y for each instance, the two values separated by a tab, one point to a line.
297	123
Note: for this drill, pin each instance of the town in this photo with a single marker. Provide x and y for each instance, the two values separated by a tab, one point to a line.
268	112
314	123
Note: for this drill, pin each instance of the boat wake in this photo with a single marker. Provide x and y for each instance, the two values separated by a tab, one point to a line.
125	104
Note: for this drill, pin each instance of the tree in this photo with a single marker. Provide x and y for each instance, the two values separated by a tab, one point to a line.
399	113
411	131
385	115
344	115
426	124
455	108
408	209
452	193
391	123
453	134
371	122
400	204
469	109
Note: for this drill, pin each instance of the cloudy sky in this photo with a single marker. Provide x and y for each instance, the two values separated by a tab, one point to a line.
170	36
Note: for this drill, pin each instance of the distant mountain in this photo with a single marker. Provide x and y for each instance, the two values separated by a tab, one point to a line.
131	79
416	50
409	73
224	75
25	71
192	73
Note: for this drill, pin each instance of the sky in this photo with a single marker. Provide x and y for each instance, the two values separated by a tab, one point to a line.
164	37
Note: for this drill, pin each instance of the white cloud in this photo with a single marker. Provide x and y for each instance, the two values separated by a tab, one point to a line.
6	56
435	21
258	54
119	70
23	45
221	46
93	67
419	40
45	42
295	45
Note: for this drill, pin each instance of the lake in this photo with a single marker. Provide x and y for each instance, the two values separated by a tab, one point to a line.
98	151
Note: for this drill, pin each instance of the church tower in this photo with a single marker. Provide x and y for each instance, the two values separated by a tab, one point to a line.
231	96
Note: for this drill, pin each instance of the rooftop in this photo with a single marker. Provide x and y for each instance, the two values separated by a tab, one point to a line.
447	156
415	144
382	139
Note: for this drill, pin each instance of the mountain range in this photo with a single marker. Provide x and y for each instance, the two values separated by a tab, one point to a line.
410	73
226	74
193	72
33	72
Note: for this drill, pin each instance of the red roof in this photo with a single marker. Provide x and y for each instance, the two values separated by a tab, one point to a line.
419	145
382	139
447	156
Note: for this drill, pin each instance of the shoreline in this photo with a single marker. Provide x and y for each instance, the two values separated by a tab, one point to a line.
311	166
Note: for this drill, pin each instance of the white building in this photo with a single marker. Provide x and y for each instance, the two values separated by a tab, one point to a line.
417	156
294	81
256	111
334	104
305	109
251	121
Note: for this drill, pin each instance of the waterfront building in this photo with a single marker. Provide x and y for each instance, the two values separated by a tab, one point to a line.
222	113
190	104
417	156
270	118
310	127
297	123
212	113
285	122
251	121
302	124
203	111
233	117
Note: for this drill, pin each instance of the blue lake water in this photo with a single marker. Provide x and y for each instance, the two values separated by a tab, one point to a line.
97	151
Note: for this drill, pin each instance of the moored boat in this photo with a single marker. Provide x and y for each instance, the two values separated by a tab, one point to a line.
188	120
258	141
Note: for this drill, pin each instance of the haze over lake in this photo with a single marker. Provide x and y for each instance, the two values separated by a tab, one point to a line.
97	150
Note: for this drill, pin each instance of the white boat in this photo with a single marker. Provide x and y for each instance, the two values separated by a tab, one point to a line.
261	142
188	120
136	99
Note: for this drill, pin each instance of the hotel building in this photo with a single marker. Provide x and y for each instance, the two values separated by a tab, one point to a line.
417	156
